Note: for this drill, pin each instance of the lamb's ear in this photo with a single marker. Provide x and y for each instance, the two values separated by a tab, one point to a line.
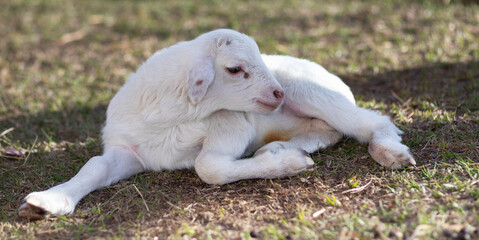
200	77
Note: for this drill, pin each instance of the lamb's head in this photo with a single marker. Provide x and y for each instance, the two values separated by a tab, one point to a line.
230	74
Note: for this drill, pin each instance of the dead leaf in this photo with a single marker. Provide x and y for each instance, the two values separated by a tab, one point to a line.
13	152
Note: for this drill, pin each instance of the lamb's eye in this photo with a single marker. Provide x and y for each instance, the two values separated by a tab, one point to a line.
234	70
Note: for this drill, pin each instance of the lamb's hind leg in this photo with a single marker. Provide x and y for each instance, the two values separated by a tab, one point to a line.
311	100
100	171
317	135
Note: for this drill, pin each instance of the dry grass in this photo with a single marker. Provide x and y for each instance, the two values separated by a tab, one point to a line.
417	61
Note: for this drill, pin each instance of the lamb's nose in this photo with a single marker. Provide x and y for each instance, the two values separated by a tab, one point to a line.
278	94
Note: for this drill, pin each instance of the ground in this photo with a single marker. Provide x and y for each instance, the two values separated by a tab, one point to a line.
415	61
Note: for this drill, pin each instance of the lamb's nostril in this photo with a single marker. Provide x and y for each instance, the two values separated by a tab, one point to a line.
278	94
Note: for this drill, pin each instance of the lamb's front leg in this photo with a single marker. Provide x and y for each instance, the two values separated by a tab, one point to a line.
219	168
220	162
100	171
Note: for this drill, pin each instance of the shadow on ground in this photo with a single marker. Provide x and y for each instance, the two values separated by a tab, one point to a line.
452	85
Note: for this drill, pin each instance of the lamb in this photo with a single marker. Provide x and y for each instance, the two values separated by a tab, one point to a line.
213	102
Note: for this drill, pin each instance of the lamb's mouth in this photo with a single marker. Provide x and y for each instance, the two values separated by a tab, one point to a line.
268	106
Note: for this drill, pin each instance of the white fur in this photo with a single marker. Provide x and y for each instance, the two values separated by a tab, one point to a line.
184	109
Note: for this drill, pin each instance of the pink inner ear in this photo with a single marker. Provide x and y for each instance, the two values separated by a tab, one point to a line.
199	82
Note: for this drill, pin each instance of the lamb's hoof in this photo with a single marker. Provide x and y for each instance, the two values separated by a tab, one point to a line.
391	154
32	212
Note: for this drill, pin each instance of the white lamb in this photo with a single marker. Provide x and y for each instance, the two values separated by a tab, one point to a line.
207	103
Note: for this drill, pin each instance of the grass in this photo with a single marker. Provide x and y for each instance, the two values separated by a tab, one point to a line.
416	61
